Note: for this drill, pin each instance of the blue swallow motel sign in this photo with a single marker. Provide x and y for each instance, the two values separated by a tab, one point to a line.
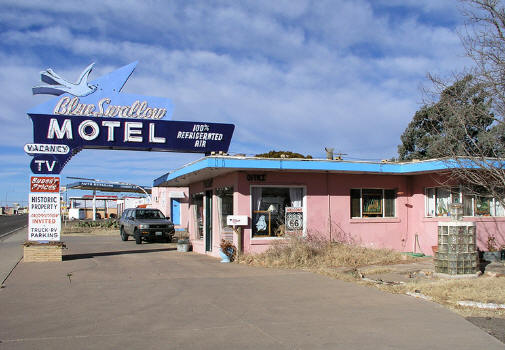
98	115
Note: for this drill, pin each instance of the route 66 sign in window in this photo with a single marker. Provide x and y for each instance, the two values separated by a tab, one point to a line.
294	219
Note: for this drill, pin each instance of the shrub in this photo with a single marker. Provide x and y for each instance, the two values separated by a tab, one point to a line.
109	223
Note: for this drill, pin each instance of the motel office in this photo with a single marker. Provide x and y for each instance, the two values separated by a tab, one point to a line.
391	205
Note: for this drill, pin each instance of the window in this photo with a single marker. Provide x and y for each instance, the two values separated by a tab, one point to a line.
225	198
197	204
438	200
482	206
374	203
149	214
269	208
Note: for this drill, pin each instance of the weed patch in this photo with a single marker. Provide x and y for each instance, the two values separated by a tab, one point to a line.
311	252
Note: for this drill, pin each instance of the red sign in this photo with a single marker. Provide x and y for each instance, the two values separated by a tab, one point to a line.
44	184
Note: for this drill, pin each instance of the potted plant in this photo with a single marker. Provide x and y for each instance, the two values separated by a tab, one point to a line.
183	245
227	251
492	254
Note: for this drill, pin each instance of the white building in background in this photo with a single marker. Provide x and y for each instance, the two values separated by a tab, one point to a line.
131	202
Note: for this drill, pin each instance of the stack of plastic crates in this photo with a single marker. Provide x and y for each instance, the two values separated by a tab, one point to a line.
457	254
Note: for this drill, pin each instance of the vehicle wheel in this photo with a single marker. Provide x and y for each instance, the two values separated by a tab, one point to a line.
138	238
168	239
124	236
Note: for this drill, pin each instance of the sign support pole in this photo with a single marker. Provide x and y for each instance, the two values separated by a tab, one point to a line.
238	231
94	205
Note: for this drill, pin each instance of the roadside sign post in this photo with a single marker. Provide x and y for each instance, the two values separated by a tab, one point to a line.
97	115
237	220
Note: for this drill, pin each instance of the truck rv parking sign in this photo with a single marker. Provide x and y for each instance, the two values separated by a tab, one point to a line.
44	222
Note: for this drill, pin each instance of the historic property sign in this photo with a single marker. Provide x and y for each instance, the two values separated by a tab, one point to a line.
44	222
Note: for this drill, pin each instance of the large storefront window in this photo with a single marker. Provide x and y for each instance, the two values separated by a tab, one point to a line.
372	203
438	200
269	208
197	204
225	197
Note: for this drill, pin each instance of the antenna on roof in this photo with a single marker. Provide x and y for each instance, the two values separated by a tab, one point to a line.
329	153
339	156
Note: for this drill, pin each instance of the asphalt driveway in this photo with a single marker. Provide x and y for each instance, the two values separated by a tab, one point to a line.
109	294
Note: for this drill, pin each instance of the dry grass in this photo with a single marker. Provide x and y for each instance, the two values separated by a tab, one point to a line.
88	231
449	291
341	261
482	289
315	253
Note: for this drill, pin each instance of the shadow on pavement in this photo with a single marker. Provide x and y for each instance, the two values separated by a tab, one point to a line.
121	252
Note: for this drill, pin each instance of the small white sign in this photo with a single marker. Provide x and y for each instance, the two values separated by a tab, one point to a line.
237	220
44	222
44	148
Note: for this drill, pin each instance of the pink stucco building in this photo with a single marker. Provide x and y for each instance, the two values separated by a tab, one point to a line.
371	204
174	203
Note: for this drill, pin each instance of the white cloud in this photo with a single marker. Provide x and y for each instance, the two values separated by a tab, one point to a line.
293	75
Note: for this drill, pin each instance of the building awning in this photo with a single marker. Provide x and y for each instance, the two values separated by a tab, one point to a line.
212	166
107	187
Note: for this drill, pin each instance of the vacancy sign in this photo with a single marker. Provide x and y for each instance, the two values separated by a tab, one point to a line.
44	220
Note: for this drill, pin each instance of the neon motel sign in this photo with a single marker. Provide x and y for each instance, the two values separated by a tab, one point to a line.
97	115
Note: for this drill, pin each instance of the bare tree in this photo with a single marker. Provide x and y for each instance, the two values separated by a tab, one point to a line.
481	167
484	42
477	158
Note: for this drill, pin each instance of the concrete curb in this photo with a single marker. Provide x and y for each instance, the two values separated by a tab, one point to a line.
11	252
489	306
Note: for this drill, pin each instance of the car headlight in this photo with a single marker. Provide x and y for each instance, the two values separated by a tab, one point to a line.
143	227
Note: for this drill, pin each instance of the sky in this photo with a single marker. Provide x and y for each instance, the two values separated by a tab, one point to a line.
295	75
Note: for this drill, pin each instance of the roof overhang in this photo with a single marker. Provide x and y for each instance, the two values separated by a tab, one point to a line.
212	166
107	187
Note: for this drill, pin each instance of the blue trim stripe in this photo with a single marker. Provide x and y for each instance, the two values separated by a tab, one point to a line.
307	165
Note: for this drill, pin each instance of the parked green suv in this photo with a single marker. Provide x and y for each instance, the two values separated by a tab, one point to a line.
145	224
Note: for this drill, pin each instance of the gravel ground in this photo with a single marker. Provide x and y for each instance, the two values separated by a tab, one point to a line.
493	326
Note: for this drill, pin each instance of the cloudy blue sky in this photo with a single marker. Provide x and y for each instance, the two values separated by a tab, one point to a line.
294	75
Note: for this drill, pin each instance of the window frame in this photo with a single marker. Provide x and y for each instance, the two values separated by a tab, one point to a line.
463	198
222	220
199	234
383	203
251	206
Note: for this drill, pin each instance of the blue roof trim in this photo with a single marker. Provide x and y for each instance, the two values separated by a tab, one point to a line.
306	165
190	168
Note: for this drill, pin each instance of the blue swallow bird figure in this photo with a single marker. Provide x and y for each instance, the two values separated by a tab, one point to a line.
58	86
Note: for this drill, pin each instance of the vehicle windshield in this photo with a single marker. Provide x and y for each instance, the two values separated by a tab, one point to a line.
149	214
